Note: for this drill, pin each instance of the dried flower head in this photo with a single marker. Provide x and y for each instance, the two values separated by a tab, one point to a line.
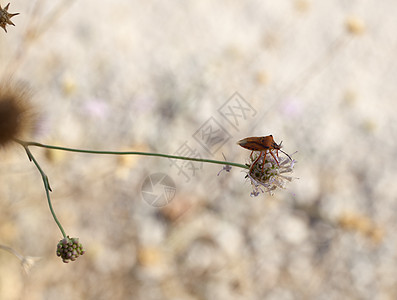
270	175
5	17
17	116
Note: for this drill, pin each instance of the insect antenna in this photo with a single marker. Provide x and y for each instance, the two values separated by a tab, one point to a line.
280	145
285	154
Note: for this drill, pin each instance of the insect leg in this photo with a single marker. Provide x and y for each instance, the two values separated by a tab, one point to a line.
274	157
264	159
256	160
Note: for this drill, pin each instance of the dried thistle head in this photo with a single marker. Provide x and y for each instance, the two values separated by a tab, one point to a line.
5	17
17	115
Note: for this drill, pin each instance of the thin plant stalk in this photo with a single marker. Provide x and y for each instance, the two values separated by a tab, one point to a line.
47	187
219	162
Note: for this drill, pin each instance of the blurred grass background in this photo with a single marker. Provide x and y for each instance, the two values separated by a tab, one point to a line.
132	75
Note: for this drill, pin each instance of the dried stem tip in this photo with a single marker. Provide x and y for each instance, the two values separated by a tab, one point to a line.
17	117
5	17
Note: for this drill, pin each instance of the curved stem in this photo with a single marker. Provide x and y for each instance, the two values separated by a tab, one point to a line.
219	162
26	144
46	185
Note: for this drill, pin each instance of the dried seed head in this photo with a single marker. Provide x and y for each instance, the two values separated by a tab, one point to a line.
5	17
17	116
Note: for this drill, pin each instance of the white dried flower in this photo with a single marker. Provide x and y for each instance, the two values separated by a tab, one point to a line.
268	176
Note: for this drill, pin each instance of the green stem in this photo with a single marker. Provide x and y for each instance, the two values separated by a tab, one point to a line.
46	185
219	162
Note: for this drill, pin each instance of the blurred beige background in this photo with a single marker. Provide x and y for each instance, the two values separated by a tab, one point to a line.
126	75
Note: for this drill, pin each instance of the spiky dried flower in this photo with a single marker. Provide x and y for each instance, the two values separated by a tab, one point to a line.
5	17
269	176
17	115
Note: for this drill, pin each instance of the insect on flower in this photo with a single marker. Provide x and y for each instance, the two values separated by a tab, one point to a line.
262	144
266	174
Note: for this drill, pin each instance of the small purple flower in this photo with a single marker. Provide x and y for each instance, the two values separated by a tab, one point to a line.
226	168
